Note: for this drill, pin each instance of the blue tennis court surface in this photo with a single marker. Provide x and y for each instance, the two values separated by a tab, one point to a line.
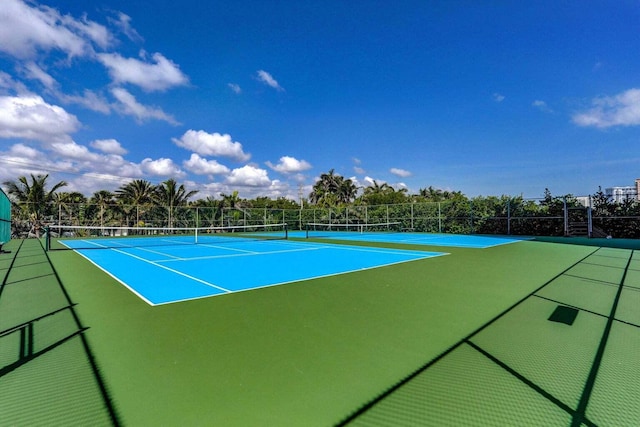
173	273
450	240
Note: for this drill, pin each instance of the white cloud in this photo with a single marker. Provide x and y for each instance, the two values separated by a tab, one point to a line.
129	106
24	151
72	151
19	160
26	29
400	172
268	79
33	71
109	146
89	99
97	33
202	166
249	176
212	144
160	75
370	181
89	183
619	110
30	117
357	168
123	23
235	88
498	97
542	106
10	86
161	167
85	170
290	165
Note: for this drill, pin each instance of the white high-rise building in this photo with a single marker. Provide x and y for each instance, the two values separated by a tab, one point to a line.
620	194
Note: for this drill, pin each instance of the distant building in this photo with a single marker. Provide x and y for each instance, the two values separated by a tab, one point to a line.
620	194
584	200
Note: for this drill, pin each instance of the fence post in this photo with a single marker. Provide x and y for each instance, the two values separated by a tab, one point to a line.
412	202
509	217
589	219
566	216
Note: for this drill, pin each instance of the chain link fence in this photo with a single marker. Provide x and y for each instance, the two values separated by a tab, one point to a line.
565	216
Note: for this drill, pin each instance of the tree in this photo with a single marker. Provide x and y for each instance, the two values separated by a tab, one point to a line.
209	211
233	203
33	198
432	194
137	194
170	194
70	205
331	190
602	204
100	204
383	194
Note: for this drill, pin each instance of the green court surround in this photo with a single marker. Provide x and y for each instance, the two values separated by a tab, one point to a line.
313	353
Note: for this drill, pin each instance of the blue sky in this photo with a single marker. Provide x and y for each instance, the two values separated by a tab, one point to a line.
486	98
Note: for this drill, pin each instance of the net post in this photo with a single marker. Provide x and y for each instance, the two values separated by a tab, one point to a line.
47	238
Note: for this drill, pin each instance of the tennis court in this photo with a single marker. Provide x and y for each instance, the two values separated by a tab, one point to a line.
528	333
375	233
173	270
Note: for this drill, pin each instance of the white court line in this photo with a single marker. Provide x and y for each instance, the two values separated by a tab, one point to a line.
424	238
123	283
173	271
253	288
226	248
116	244
362	248
238	255
381	250
152	251
305	248
299	247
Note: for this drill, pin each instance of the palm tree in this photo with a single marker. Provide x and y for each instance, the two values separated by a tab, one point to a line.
331	190
373	193
347	191
209	210
233	203
136	194
68	204
33	198
102	200
437	195
170	194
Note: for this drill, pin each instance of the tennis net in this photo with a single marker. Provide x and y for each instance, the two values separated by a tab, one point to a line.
97	237
319	230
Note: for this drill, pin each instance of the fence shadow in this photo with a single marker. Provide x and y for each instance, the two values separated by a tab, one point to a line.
48	374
